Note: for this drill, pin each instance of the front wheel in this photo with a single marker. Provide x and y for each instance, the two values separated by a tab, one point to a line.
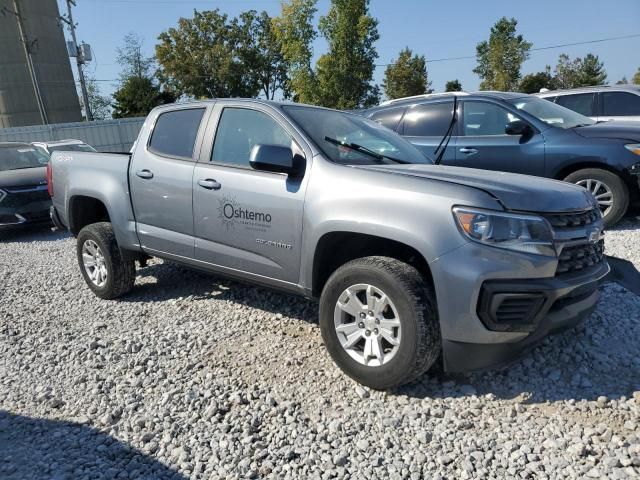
610	191
379	322
107	272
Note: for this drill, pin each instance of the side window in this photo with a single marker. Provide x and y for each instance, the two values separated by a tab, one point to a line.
482	118
620	104
428	120
239	130
580	102
175	132
551	99
389	118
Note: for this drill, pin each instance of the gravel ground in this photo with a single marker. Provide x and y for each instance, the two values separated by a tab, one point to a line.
193	376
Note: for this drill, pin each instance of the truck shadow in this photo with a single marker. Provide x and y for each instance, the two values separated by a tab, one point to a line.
41	448
598	358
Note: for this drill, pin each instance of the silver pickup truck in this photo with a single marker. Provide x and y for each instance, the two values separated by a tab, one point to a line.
413	263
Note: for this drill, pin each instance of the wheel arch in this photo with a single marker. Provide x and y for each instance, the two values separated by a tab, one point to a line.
334	249
85	210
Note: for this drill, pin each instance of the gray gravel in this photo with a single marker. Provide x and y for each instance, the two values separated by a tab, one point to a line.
193	376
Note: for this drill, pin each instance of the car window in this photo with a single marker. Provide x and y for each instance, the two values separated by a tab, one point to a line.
389	118
620	104
240	129
430	120
175	132
550	99
579	102
482	118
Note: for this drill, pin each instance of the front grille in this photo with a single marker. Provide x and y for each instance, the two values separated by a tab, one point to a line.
18	197
573	220
578	257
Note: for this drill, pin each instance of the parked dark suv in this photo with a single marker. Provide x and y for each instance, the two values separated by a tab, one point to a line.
520	133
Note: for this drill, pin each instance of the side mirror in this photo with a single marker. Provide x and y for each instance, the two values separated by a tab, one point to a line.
276	158
518	127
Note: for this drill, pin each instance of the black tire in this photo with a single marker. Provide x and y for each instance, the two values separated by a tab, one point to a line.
614	183
121	270
420	343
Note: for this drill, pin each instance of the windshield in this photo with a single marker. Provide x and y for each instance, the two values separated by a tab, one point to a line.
73	147
551	113
16	158
351	139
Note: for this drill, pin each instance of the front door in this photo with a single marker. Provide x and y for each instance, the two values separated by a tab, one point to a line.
247	220
160	177
482	142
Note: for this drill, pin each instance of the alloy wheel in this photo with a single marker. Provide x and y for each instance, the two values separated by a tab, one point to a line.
94	263
367	325
603	194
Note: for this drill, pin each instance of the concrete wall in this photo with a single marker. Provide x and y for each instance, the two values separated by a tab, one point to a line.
103	135
46	43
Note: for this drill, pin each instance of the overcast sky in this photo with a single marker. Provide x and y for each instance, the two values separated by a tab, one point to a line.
436	29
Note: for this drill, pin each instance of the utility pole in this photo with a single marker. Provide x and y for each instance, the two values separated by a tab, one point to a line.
79	60
32	71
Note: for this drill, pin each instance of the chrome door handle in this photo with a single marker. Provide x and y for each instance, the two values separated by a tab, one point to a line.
468	150
146	174
209	184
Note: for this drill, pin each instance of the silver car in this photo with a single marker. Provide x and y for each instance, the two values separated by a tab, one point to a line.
601	103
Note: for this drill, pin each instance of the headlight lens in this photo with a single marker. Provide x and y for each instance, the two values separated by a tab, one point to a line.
522	233
633	148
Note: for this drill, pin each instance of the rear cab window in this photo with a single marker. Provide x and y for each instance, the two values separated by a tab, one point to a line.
174	134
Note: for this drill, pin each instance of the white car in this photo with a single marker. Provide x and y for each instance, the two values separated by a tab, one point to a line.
69	145
604	102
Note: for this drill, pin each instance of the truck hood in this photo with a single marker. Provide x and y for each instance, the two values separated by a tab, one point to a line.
514	191
611	129
23	177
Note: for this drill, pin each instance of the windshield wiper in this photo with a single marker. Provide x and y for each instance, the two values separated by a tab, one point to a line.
365	150
444	143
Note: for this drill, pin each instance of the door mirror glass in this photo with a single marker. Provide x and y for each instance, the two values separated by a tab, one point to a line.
518	127
276	158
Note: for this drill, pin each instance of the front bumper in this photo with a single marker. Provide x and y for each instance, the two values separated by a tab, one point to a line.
24	206
468	276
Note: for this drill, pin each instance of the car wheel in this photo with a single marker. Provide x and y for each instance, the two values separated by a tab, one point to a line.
379	322
608	188
108	273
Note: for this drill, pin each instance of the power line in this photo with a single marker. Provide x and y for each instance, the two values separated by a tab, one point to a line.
549	47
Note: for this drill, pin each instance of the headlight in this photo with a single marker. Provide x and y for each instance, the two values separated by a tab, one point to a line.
633	148
522	233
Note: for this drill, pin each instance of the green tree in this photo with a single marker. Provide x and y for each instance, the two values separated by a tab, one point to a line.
132	61
499	59
406	76
622	81
261	51
534	82
636	77
137	96
293	29
99	104
200	58
345	72
580	72
453	86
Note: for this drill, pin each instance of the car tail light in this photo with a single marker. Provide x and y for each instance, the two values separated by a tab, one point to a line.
50	179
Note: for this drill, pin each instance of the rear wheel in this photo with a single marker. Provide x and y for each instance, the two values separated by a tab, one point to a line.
379	322
107	272
610	191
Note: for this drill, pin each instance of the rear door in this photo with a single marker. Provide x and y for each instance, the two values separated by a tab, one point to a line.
425	125
161	176
483	143
249	221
